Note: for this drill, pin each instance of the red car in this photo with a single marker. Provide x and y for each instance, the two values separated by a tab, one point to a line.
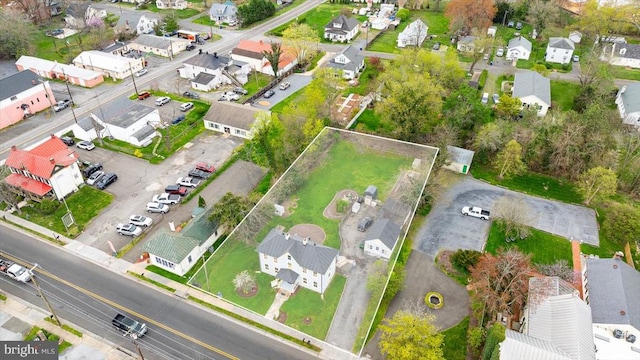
176	189
205	167
143	95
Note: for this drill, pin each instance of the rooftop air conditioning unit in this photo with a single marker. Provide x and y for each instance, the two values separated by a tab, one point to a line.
631	338
618	334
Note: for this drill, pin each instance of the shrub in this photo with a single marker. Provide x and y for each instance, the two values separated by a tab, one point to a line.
494	337
483	79
342	205
465	259
48	206
621	222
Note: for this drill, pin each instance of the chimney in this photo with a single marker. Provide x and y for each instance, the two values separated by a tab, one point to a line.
52	160
287	236
618	255
215	55
260	41
207	53
305	241
199	51
53	136
14	148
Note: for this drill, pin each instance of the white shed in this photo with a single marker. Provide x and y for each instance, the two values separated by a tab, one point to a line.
459	159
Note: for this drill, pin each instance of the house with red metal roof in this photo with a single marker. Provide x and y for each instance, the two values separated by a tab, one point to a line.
49	170
252	53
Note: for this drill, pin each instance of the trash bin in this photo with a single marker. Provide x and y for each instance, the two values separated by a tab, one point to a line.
490	63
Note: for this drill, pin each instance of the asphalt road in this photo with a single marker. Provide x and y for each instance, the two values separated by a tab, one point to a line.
84	294
446	228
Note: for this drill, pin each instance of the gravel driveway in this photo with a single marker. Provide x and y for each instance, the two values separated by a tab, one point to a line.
447	228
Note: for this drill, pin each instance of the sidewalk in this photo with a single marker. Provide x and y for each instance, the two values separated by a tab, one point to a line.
17	317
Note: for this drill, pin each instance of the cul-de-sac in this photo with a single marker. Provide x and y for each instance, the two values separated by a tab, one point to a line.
309	179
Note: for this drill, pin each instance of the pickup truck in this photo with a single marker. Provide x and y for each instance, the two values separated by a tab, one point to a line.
164	198
129	326
188	181
14	271
476	212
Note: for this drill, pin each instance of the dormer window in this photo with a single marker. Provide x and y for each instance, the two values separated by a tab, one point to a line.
623	51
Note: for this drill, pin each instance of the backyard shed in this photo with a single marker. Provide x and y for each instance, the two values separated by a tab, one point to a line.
381	239
460	159
370	194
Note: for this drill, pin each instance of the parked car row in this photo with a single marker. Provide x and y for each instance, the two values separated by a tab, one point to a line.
134	226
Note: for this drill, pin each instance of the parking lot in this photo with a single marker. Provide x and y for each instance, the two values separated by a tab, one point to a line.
138	181
446	228
297	81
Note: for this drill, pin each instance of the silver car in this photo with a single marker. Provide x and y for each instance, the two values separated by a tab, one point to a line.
154	207
139	220
128	229
95	177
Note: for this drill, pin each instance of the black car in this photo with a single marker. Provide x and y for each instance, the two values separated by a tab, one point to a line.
191	95
91	169
190	47
176	189
67	140
199	174
107	179
268	94
364	224
178	120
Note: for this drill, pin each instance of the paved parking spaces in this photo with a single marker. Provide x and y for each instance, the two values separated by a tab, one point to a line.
447	228
297	81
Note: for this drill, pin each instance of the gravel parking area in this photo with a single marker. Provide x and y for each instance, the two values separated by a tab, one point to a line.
447	228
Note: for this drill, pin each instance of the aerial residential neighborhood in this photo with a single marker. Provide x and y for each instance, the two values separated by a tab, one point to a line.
302	179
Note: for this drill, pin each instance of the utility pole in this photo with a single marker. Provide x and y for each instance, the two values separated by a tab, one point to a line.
132	79
66	82
134	337
33	278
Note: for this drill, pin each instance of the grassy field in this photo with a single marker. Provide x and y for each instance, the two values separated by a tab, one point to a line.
309	304
179	14
531	183
455	341
563	93
317	18
85	205
438	27
620	72
545	248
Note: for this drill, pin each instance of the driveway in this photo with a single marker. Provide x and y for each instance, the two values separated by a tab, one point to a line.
138	181
447	228
297	81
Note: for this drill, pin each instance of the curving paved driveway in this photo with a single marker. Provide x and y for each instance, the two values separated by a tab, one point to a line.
447	228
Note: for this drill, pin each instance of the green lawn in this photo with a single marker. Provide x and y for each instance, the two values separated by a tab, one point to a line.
563	93
455	341
620	72
317	18
54	49
85	205
437	23
309	304
282	105
180	14
231	259
531	183
546	248
256	82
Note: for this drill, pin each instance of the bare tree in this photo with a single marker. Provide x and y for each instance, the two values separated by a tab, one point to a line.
559	268
513	213
244	282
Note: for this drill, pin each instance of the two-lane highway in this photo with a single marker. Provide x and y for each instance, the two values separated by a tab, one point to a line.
89	296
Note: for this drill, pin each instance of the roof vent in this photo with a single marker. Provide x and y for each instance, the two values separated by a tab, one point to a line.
305	241
617	333
622	312
624	88
631	338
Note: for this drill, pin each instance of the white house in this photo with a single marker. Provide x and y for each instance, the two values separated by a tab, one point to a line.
296	261
459	159
349	62
128	121
252	53
171	4
159	45
575	36
381	238
534	90
467	44
220	70
113	66
342	29
518	48
611	288
49	170
224	13
622	54
413	35
559	50
628	101
146	24
81	14
178	252
230	118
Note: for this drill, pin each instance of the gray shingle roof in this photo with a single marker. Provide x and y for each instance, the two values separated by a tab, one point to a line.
354	56
208	61
153	41
631	97
86	123
223	9
531	83
132	114
287	275
236	115
247	53
632	51
520	41
115	46
460	155
312	256
17	83
116	108
613	289
78	9
385	230
344	25
561	43
203	78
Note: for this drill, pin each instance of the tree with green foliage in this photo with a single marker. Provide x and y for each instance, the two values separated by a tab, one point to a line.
509	107
463	111
465	259
621	223
230	210
490	137
265	146
255	11
403	14
509	160
377	277
273	57
411	336
494	337
15	33
597	182
170	23
541	13
301	38
628	161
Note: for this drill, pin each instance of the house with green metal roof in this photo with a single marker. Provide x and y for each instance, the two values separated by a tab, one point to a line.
178	252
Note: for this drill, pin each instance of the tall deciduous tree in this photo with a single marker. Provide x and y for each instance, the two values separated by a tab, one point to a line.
501	282
491	137
628	169
541	13
15	30
509	160
601	21
597	182
266	142
513	214
377	278
509	107
470	14
481	44
230	210
301	38
273	57
411	336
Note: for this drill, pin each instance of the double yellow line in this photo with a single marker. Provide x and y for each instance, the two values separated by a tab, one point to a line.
120	307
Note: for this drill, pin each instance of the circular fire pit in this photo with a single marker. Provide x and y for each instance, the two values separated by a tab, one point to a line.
434	300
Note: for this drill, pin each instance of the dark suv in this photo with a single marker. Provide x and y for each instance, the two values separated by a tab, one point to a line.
67	140
364	224
91	169
107	179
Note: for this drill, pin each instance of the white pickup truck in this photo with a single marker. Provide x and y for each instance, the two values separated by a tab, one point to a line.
476	212
14	271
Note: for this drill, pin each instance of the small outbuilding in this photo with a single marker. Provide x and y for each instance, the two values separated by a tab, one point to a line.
370	194
381	239
491	31
459	159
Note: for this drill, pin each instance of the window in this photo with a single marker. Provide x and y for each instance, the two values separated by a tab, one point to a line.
304	280
315	273
370	247
377	249
315	284
288	257
266	266
304	271
277	270
189	259
265	256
